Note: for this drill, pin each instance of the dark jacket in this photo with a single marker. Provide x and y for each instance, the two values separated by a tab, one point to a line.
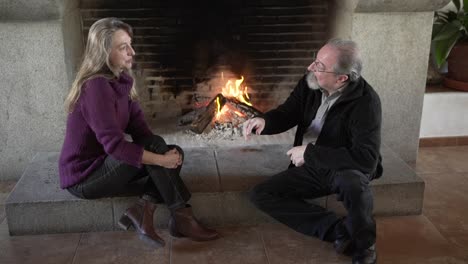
350	137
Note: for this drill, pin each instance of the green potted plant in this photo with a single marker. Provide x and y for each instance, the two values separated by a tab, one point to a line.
450	43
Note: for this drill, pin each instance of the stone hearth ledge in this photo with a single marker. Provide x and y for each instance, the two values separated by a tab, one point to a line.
218	178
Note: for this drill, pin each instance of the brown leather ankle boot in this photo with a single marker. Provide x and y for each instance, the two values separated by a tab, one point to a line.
140	215
184	224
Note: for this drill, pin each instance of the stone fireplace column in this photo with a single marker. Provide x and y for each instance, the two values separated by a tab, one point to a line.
394	37
40	41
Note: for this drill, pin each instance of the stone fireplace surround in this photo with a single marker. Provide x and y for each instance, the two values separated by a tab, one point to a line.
393	35
43	39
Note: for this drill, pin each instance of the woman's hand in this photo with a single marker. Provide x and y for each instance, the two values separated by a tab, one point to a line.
171	159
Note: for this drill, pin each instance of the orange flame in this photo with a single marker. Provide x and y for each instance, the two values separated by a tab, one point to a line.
233	89
218	108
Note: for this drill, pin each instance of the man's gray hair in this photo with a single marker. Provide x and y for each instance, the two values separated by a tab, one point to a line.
349	60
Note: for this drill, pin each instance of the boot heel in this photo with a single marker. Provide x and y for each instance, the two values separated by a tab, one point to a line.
125	223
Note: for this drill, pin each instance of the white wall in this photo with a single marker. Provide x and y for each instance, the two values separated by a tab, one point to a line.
445	114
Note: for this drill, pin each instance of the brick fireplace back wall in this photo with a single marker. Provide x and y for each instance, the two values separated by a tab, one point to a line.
180	45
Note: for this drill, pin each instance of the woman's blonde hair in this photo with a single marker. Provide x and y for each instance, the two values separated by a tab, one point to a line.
96	57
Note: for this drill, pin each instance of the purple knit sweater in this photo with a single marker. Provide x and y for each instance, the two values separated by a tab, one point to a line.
96	127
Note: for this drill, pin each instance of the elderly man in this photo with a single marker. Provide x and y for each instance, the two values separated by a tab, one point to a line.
335	105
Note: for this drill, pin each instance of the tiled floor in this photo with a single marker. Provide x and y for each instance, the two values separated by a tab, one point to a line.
439	235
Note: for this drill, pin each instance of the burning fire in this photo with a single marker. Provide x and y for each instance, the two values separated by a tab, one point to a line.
233	89
218	109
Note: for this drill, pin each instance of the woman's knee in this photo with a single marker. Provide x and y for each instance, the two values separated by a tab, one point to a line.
179	149
156	143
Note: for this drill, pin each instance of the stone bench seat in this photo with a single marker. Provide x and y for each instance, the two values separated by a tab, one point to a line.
218	179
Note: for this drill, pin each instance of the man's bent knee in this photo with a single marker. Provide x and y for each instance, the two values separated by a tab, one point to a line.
351	181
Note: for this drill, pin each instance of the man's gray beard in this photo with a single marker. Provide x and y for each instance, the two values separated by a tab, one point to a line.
312	81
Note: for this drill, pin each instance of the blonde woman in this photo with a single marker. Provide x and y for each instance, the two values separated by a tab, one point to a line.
96	161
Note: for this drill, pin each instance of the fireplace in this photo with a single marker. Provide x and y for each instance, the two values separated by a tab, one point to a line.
394	37
187	50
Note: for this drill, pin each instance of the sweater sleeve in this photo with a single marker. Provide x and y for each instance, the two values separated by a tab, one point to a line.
137	126
288	114
363	150
98	102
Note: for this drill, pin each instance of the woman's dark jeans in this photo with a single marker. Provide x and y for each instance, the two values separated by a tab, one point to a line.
116	178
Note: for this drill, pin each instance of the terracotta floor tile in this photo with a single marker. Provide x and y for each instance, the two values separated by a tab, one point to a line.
236	245
58	248
410	237
460	240
448	220
446	190
425	260
442	160
446	179
284	245
446	202
120	247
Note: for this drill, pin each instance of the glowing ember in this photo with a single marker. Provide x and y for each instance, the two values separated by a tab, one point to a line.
239	114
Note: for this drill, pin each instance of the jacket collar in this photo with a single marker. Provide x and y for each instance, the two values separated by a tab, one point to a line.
353	90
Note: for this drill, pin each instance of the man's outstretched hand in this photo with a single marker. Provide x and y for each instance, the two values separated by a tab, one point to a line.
256	123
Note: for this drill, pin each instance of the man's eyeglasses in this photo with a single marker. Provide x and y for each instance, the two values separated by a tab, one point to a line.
317	66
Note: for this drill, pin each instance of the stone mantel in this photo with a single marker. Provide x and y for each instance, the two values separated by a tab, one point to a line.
40	10
374	6
35	10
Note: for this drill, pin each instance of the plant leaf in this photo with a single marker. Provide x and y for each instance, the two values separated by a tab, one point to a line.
446	32
436	28
464	20
443	47
465	6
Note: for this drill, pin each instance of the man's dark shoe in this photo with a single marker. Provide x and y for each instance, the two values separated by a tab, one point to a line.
342	246
366	256
342	243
